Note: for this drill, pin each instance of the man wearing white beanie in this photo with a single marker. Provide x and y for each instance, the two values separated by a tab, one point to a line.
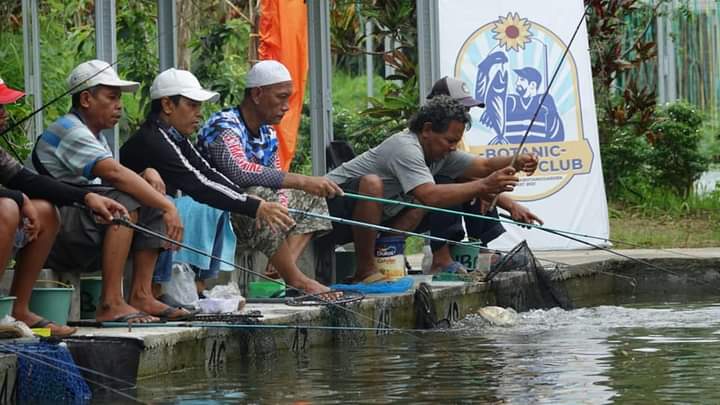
162	143
241	143
74	150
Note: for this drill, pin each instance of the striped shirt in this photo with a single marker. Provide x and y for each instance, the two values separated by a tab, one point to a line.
69	151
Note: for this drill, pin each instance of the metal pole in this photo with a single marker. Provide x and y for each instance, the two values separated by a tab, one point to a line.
167	34
369	68
31	58
428	45
321	131
106	49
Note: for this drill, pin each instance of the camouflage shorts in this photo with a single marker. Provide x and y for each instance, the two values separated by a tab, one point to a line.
267	241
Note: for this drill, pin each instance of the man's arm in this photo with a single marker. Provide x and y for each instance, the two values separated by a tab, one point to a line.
481	167
131	183
448	195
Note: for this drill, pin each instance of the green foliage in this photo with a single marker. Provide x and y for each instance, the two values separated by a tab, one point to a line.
219	58
676	157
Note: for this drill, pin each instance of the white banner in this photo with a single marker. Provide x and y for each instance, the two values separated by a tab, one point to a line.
507	52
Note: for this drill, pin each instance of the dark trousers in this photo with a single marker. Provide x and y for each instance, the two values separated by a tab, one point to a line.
441	225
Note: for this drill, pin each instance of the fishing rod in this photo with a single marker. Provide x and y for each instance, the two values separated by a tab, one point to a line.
54	100
383	228
146	231
507	220
228	325
549	230
38	358
544	96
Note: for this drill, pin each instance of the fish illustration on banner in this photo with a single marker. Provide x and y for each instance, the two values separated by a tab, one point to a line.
510	62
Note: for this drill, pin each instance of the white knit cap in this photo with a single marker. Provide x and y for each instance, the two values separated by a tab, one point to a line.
96	72
265	73
176	82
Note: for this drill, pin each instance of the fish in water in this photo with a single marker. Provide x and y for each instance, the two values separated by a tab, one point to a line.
498	316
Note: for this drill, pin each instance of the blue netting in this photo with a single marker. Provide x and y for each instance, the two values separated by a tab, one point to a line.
383	287
47	374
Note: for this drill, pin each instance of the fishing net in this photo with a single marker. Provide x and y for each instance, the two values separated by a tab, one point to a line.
425	312
519	281
345	321
47	374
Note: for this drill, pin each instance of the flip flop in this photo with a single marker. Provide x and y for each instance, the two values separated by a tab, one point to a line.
45	323
170	301
454	268
129	317
167	312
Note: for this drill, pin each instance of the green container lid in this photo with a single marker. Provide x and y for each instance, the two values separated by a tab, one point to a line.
266	289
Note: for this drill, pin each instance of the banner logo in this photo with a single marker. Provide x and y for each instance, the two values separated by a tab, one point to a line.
510	62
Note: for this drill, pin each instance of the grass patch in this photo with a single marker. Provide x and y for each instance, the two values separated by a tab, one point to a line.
690	226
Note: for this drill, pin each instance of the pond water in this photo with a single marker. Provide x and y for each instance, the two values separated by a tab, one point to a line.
665	353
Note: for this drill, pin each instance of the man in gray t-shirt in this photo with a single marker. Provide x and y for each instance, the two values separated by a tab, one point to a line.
404	167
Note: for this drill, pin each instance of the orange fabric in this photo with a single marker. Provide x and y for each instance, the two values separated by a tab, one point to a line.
283	37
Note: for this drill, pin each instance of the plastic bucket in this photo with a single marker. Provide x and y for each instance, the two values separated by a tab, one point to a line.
465	255
266	289
53	303
90	290
6	305
345	264
390	256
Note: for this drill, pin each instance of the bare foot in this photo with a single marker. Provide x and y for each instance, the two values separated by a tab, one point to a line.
110	313
372	276
312	287
152	306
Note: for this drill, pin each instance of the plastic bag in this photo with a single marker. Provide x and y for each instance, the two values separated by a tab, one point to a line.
181	286
222	299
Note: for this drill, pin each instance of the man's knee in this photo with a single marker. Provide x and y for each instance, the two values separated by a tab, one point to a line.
371	184
48	214
9	214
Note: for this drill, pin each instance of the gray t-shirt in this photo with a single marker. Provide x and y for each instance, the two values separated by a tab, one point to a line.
400	163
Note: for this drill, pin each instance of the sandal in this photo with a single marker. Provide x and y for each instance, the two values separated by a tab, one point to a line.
55	329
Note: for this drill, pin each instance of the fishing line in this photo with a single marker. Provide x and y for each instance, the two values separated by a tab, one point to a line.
509	220
33	357
542	100
127	223
16	124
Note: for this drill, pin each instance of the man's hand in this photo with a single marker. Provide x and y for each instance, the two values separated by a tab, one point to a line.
527	162
521	213
153	177
173	227
499	181
320	186
273	215
104	208
31	222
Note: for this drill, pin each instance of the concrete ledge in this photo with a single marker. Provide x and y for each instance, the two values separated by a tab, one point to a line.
592	278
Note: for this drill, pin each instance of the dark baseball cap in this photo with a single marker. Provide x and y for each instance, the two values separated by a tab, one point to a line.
448	86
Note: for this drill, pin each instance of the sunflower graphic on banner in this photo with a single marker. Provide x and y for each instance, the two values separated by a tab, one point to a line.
509	62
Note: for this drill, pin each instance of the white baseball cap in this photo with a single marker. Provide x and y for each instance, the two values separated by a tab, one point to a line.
267	72
176	82
97	72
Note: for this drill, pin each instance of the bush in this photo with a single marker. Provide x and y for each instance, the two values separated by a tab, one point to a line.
676	156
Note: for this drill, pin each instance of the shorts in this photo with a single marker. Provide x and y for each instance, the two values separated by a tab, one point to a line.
264	239
21	240
78	246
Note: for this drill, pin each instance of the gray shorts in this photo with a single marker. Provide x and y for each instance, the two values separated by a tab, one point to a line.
78	246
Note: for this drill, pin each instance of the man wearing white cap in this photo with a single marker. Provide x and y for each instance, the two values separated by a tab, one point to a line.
162	143
241	143
74	150
29	222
